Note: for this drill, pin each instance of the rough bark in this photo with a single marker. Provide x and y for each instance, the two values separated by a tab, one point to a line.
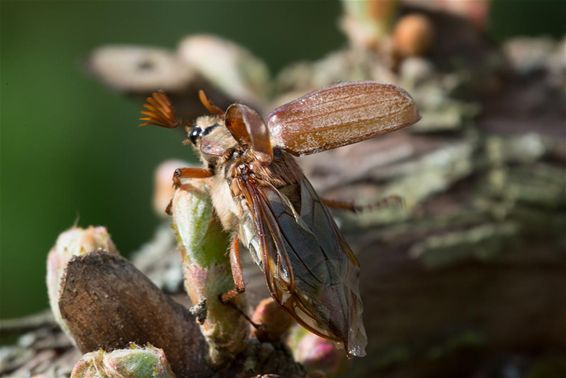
107	303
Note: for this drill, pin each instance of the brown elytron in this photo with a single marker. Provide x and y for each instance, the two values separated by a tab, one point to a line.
340	115
261	195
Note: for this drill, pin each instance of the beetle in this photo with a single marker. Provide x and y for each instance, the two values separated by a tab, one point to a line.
262	197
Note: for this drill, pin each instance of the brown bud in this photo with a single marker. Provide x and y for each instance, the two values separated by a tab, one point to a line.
227	65
73	242
315	353
413	36
273	321
139	69
368	22
476	11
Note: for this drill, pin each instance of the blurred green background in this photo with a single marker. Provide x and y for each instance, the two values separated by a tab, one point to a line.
71	149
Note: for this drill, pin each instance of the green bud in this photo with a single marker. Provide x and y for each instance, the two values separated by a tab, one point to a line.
203	245
135	362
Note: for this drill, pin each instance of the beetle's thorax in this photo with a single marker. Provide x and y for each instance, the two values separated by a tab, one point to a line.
227	197
232	163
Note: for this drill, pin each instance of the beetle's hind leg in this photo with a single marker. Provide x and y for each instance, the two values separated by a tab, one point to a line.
392	200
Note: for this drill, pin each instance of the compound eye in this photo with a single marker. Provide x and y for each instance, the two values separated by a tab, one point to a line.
209	129
195	134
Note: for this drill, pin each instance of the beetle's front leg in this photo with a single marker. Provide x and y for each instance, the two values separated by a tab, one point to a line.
189	173
237	272
351	205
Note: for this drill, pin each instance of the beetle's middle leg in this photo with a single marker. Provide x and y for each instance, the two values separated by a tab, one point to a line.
237	272
238	277
353	207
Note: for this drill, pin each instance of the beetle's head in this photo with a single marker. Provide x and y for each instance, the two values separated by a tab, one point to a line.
202	127
220	134
210	137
